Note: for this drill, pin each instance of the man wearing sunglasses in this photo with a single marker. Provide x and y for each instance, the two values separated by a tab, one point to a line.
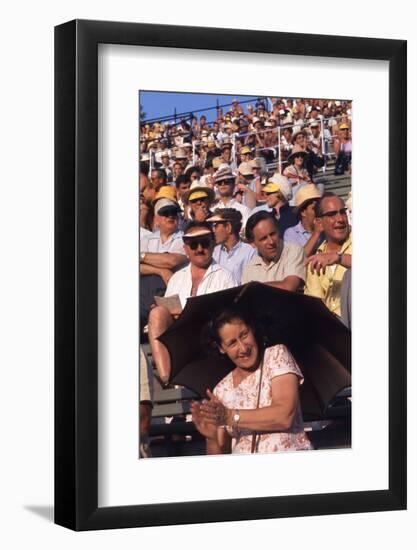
225	181
230	251
327	268
201	276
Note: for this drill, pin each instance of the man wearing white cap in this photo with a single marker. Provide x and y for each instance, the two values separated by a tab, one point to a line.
201	276
278	194
307	232
225	181
161	254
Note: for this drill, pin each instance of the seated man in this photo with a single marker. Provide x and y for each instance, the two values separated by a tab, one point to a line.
230	251
307	232
198	200
327	268
279	263
161	253
202	276
225	181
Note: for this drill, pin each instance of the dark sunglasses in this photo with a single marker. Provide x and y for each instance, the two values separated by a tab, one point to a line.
226	182
205	242
200	199
169	213
333	213
215	224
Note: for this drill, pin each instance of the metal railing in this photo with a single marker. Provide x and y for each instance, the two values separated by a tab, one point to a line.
326	143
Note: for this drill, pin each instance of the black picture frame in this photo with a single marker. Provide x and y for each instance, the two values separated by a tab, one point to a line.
76	271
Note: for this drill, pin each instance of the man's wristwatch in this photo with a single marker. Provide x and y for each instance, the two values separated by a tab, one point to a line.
339	257
142	257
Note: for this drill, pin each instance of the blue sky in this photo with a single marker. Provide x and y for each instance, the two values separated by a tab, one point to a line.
159	104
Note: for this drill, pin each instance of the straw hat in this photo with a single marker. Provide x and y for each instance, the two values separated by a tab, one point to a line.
304	194
245	150
294	137
344	126
245	169
297	151
255	163
198	190
216	162
181	154
224	173
226	145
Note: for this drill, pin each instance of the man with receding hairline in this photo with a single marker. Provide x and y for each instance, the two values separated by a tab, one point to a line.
278	263
326	269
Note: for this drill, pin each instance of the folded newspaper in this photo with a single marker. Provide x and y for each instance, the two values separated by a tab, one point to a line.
172	303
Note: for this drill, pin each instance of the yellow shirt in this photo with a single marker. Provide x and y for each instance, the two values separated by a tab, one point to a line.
328	286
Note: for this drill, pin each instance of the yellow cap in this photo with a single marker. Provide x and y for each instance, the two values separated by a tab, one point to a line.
166	192
271	188
197	195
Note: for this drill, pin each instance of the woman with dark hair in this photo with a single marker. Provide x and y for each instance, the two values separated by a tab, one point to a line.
255	408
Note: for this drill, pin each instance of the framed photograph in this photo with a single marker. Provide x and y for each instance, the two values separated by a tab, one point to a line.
161	120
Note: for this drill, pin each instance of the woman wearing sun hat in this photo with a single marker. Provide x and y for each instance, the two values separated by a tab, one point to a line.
343	149
295	172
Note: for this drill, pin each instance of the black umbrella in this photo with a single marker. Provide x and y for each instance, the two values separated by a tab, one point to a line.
319	341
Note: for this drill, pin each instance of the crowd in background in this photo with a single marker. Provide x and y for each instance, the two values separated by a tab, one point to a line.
243	198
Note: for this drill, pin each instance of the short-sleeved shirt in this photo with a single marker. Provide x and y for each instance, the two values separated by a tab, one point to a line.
290	262
216	278
287	218
297	234
244	210
328	285
153	244
236	259
277	361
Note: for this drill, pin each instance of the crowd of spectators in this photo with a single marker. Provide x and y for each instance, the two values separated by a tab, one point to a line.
241	199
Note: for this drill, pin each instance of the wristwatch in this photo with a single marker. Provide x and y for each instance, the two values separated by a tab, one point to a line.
339	257
235	424
142	257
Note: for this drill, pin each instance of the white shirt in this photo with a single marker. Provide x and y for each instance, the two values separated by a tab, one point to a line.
233	203
215	278
153	243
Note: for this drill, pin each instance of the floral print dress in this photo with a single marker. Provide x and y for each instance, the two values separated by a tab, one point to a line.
277	361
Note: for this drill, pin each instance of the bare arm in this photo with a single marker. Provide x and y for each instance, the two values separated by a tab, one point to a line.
165	274
318	262
278	416
164	260
311	243
292	283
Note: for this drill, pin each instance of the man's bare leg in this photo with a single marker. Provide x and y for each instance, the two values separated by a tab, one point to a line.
159	320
